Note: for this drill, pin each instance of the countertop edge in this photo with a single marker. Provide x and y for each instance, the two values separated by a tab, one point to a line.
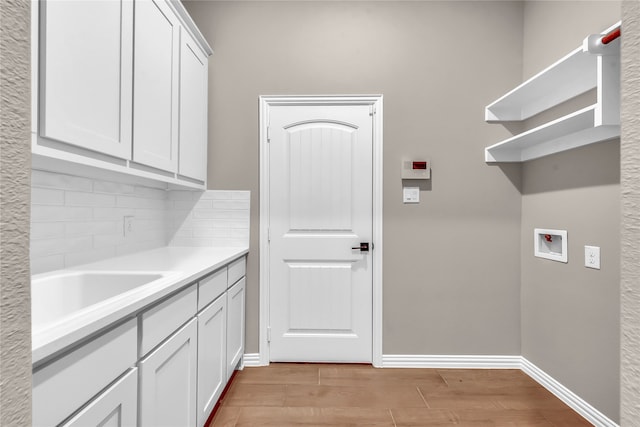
54	344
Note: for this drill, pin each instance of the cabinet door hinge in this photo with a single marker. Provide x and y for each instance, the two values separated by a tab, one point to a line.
268	333
372	110
268	235
268	134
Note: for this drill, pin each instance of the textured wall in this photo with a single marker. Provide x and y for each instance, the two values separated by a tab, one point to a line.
630	183
15	159
570	314
444	292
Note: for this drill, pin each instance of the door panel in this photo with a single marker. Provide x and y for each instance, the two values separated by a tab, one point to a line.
320	208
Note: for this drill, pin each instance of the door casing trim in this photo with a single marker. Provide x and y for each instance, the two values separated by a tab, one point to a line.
376	104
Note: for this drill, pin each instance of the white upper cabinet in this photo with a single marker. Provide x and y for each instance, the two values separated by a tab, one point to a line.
193	110
119	86
155	108
86	73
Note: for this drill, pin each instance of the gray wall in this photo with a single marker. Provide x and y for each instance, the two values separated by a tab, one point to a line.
570	314
15	165
444	292
630	183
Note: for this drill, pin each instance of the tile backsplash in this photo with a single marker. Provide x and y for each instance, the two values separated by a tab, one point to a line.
76	220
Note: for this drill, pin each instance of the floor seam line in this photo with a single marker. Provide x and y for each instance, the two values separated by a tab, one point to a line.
422	396
392	418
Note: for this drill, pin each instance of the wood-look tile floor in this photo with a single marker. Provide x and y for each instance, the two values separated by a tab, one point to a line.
285	394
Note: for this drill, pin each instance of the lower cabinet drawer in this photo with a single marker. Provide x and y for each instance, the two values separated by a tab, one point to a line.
211	287
116	406
236	270
159	322
62	387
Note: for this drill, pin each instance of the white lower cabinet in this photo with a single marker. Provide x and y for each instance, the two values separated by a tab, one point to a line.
168	381
212	366
235	325
165	366
115	407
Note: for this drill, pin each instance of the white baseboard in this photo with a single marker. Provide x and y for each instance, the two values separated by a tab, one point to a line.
574	401
251	359
446	361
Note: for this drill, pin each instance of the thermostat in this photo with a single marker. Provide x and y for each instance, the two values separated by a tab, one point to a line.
416	169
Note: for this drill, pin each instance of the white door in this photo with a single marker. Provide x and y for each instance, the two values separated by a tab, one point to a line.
320	208
155	96
86	76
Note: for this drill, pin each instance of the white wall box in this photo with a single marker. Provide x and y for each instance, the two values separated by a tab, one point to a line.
64	385
96	114
168	381
212	361
550	244
591	66
117	406
235	325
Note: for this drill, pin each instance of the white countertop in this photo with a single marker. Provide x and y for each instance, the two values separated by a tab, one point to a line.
182	266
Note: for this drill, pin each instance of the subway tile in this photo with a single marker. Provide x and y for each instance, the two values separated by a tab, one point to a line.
78	258
139	202
184	204
46	230
241	195
217	195
47	196
107	240
133	247
231	204
239	233
74	198
60	181
44	264
60	245
192	241
77	228
60	213
150	193
204	204
115	214
180	195
112	187
149	213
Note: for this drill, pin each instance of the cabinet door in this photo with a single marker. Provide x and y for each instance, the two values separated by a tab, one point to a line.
115	407
235	325
212	367
168	381
155	98
86	72
193	110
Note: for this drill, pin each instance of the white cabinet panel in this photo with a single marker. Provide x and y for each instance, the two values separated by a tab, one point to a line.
63	386
193	110
115	407
86	74
237	269
155	108
211	287
168	381
235	325
212	371
160	321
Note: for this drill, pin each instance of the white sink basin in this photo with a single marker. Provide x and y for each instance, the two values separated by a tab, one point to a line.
57	296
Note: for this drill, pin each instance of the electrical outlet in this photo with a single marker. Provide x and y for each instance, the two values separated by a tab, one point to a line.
592	257
128	226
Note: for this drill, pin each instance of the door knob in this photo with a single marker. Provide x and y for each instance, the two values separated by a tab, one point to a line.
364	247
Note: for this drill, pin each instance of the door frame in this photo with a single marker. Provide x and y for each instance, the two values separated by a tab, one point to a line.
375	104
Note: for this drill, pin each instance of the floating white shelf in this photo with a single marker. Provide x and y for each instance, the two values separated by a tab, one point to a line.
591	66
